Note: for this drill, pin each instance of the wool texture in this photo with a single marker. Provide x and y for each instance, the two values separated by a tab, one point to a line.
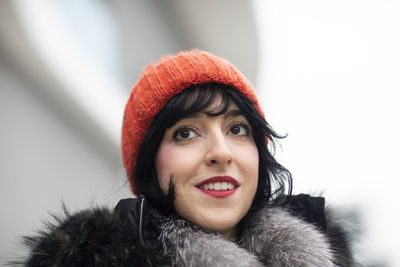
160	82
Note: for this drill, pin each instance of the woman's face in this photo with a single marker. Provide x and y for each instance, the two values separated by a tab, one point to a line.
213	162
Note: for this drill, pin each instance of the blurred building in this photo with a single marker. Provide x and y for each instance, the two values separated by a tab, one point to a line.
66	70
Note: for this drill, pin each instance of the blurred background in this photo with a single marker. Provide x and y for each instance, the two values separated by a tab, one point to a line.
327	73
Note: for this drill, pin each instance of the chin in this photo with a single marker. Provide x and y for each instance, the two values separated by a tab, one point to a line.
220	224
211	216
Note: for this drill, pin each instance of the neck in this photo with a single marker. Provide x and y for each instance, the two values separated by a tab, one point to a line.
231	234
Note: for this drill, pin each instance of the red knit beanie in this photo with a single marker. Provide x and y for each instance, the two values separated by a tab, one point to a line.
162	81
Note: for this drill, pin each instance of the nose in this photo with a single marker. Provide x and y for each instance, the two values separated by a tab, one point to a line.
219	152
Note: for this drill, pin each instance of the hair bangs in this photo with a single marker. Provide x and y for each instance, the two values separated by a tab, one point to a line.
209	98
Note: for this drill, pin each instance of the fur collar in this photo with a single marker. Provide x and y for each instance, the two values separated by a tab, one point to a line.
103	237
271	237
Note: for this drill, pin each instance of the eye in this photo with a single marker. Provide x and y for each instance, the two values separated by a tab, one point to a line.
239	129
184	134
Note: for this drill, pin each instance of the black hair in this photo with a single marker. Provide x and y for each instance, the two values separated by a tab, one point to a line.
274	182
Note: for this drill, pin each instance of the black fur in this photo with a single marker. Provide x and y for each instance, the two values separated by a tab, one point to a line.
95	237
103	237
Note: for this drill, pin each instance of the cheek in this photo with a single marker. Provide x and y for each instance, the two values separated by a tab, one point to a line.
163	166
251	164
250	158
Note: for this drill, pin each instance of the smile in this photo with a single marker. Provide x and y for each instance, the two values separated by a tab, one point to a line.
219	186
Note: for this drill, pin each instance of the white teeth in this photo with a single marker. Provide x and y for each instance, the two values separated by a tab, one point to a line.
219	186
224	186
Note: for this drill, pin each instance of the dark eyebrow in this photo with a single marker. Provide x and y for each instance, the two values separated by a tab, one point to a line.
233	113
229	114
192	116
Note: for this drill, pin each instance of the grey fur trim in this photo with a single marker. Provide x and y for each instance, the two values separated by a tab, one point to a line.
279	239
272	234
343	230
188	245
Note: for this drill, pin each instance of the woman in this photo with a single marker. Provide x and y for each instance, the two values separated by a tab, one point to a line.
194	145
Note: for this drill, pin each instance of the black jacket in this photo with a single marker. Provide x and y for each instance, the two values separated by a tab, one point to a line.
301	233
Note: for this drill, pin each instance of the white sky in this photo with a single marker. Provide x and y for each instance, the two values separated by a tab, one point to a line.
329	78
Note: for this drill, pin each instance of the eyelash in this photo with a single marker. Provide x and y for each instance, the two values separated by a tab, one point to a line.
180	129
243	124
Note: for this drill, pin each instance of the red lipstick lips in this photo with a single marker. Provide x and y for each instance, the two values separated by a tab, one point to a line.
219	193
